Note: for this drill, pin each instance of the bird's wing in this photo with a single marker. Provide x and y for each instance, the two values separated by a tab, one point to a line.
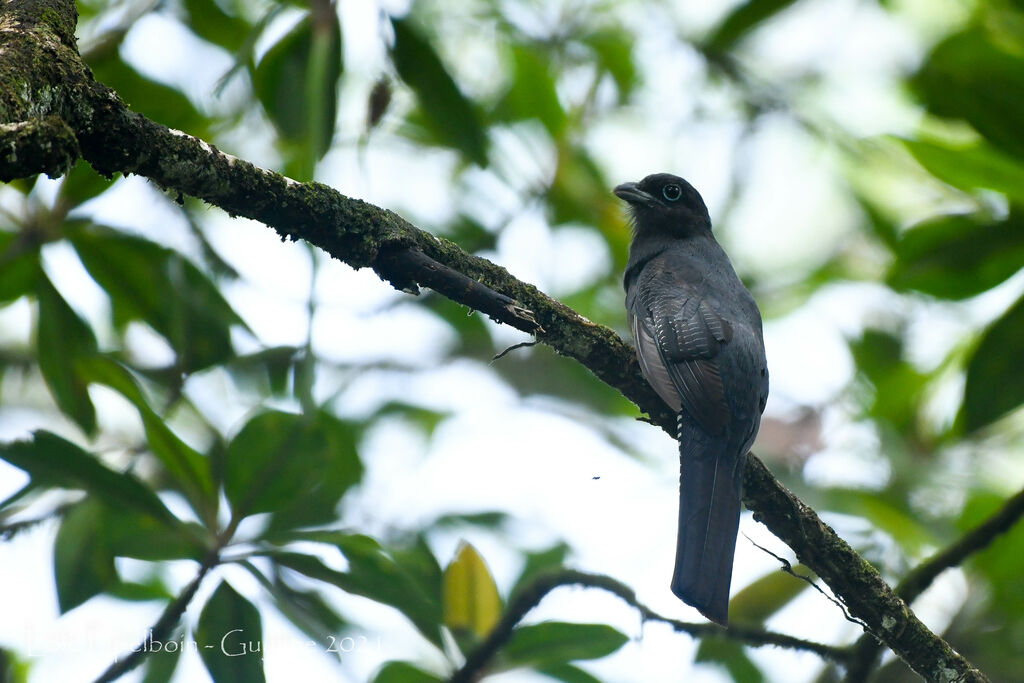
679	336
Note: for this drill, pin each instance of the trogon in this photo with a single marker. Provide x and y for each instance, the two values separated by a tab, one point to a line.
700	345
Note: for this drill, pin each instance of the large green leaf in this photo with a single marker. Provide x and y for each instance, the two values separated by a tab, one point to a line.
766	596
63	339
580	193
613	48
532	92
971	167
1000	561
995	375
130	534
83	565
375	574
540	561
898	385
190	469
969	76
960	255
213	24
160	666
229	633
295	466
556	642
157	101
297	84
53	461
19	266
149	282
451	117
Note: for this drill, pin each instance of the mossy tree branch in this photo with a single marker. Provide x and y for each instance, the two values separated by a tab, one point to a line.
864	653
46	78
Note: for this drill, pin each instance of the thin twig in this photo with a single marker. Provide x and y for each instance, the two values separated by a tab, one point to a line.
520	345
787	567
163	626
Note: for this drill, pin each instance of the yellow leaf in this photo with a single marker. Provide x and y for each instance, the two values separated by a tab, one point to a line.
471	601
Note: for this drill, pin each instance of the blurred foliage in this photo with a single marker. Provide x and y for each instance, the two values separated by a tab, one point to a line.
539	79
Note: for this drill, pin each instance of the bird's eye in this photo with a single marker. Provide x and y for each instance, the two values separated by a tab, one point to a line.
672	192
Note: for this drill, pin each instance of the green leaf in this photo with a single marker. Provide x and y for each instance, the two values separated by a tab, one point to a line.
160	666
296	81
532	93
53	461
130	534
267	370
742	20
488	520
83	566
556	642
879	356
155	100
62	339
540	370
448	113
424	418
580	193
149	282
404	672
372	573
229	633
886	510
971	167
567	673
213	24
308	610
730	654
81	184
19	266
766	596
539	561
999	563
958	256
134	591
296	466
613	48
188	467
995	375
470	597
969	76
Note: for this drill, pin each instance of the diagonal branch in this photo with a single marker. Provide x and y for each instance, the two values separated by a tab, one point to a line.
864	653
114	139
531	595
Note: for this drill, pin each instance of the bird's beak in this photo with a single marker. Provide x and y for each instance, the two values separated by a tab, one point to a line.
631	192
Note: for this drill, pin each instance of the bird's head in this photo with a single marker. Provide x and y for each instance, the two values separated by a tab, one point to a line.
665	203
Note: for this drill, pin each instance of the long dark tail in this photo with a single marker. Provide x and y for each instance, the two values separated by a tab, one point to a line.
710	490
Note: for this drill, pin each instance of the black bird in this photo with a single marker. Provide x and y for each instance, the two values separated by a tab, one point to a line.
699	341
